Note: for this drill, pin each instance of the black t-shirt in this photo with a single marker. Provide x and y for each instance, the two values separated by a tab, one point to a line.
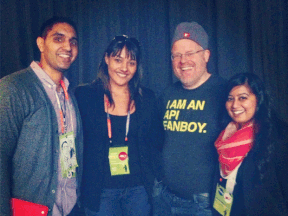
191	122
118	125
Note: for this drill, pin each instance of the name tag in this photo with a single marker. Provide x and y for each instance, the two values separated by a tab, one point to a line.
119	160
68	159
223	201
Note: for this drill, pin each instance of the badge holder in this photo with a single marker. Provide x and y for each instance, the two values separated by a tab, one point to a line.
223	201
68	158
119	161
224	196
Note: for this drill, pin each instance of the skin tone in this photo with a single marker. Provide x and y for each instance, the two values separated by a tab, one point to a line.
59	50
191	72
241	105
121	70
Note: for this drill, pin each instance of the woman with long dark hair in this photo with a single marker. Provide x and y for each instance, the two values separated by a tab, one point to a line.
120	134
250	179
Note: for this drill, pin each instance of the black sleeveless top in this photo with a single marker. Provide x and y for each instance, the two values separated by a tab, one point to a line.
118	125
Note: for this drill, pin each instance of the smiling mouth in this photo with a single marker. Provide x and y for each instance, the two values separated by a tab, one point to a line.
122	75
64	55
186	68
238	112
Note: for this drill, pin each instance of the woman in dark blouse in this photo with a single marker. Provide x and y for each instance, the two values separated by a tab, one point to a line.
252	154
120	126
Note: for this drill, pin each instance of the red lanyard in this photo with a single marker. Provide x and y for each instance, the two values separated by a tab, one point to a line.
60	110
64	89
59	105
109	124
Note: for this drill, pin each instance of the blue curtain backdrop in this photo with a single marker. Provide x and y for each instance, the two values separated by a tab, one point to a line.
245	36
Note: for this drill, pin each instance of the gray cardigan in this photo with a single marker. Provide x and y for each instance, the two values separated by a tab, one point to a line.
29	142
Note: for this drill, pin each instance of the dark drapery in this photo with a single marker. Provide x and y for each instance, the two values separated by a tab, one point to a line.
245	36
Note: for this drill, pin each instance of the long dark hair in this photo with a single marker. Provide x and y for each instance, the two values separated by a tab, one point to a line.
263	143
263	109
133	51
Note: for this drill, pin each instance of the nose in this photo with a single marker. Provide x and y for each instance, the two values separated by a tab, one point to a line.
67	45
124	66
183	59
235	103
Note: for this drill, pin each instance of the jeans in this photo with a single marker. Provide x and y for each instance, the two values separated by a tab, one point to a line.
119	202
166	203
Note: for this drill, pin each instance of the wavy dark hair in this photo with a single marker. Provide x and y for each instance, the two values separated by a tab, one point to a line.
263	143
133	51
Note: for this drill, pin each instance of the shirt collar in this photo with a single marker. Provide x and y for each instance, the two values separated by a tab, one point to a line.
44	78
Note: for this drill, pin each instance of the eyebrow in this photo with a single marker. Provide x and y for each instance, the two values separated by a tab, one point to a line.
243	94
62	35
240	94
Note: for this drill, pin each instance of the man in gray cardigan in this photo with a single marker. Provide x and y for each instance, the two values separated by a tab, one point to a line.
38	113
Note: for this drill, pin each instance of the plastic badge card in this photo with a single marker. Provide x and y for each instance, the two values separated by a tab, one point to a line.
223	201
118	160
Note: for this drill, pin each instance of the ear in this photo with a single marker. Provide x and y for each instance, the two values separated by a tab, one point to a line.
106	59
207	55
40	43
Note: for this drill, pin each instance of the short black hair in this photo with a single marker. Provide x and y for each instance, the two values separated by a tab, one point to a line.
48	25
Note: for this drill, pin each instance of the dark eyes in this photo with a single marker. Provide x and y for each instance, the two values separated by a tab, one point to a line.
74	42
59	39
132	63
242	98
119	60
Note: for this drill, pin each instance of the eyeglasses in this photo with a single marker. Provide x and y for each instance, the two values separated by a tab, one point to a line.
188	55
123	38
